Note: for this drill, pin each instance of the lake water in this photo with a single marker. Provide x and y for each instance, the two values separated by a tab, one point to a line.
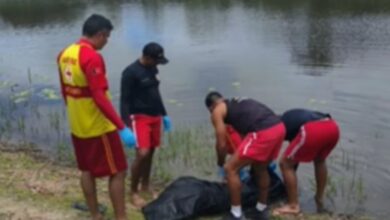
328	55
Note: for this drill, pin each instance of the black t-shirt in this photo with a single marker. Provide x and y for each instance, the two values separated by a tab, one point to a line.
140	91
295	118
248	115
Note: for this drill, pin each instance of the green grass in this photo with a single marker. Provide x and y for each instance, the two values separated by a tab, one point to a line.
186	151
32	180
43	185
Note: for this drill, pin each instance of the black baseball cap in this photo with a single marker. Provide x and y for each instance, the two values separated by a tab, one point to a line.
156	52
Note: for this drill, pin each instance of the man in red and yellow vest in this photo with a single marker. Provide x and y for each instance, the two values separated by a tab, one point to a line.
94	123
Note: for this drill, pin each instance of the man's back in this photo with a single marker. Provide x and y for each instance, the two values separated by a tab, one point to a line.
295	118
77	63
248	115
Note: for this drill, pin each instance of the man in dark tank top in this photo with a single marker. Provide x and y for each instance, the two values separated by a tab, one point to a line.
312	136
263	134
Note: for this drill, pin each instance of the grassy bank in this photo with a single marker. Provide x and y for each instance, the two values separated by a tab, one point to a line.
36	187
44	184
33	188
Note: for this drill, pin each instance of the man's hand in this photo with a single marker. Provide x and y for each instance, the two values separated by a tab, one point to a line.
127	137
167	124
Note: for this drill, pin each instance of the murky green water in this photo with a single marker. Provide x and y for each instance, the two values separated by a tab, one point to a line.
328	55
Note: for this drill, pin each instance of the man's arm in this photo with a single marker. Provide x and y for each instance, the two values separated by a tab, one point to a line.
127	81
62	87
221	156
60	75
106	107
217	118
162	107
97	83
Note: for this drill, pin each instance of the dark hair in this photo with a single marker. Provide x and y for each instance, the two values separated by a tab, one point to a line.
96	23
211	98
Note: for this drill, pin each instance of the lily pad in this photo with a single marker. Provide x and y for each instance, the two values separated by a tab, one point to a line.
20	100
21	96
236	84
4	84
50	94
172	101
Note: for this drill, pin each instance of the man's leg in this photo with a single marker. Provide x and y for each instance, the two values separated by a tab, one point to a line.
137	170
290	179
145	176
263	180
88	185
117	194
260	212
231	168
321	173
155	141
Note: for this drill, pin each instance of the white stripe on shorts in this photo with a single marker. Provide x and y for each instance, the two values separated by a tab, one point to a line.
300	144
246	148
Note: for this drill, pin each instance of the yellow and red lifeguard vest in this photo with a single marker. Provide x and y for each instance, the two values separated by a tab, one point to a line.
85	118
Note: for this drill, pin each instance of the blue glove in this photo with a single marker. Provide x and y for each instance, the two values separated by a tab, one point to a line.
272	166
167	124
243	173
273	169
221	172
127	137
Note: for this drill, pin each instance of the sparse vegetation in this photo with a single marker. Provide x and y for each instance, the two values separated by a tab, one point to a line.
46	186
35	187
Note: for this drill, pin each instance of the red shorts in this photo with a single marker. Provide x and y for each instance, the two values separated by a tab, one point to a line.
147	130
233	139
315	141
101	156
264	145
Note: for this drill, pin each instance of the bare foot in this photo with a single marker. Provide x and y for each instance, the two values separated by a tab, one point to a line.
145	188
153	193
137	201
319	203
320	207
287	210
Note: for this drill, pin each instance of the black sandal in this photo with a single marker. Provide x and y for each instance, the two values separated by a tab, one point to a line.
82	206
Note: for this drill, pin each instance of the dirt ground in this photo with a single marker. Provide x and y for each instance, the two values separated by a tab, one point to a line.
35	188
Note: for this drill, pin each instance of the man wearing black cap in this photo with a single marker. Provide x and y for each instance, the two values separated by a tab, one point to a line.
142	108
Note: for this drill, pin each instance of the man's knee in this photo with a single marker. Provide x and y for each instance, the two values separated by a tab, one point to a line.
143	154
229	168
283	164
287	164
86	175
120	174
